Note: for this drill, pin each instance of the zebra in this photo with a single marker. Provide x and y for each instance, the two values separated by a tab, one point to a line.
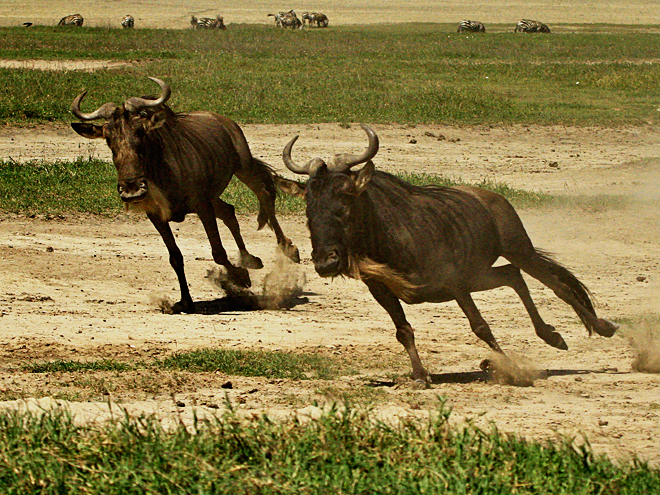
128	22
321	20
471	27
71	20
287	20
530	26
207	23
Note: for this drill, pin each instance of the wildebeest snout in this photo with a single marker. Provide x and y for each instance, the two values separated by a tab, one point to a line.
132	190
328	263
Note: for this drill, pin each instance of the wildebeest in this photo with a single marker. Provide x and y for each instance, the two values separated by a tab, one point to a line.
426	244
530	26
471	27
71	20
128	22
171	164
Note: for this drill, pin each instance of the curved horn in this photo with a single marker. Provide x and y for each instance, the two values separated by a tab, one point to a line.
103	112
308	169
136	104
343	161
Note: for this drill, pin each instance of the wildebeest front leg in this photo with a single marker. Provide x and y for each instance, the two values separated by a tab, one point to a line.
404	332
479	326
185	305
226	212
237	275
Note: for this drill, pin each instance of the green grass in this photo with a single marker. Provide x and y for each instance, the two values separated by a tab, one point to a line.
404	73
344	452
228	361
252	363
89	186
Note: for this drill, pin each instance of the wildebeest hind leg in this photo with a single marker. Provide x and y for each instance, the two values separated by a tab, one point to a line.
237	275
185	305
266	196
404	332
510	276
226	212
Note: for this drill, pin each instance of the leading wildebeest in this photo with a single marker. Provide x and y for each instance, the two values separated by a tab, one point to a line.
426	244
171	164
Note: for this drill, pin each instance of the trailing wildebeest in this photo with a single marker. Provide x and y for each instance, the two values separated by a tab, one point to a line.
426	244
171	164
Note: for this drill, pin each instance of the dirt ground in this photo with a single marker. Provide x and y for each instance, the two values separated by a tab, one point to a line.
88	288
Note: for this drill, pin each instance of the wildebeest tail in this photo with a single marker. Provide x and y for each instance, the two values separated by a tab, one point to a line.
265	175
576	288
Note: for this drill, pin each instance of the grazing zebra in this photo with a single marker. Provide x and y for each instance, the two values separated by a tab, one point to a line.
71	20
207	23
128	22
529	26
287	20
321	20
471	27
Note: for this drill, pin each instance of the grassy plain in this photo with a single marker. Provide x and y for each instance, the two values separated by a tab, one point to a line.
384	73
401	73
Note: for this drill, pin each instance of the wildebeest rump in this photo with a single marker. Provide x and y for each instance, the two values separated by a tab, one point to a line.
171	164
426	244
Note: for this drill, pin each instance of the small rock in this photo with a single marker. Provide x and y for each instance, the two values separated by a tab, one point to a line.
641	278
602	422
49	249
180	404
553	164
413	141
227	385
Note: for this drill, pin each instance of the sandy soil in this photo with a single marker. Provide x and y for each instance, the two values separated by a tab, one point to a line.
88	288
176	13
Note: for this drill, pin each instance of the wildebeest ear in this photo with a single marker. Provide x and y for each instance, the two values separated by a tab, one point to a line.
290	187
89	131
155	121
364	176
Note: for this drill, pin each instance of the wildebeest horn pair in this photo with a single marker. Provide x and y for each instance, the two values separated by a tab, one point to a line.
134	104
338	163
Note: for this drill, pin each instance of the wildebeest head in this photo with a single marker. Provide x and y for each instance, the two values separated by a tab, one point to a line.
125	130
330	193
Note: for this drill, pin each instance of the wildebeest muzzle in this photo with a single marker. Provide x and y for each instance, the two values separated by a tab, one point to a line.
132	190
329	263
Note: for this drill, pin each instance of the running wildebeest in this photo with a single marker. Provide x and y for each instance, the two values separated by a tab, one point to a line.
171	164
425	244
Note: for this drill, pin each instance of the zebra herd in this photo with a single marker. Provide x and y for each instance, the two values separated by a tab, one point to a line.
523	26
290	20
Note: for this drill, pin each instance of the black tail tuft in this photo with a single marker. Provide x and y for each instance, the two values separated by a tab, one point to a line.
577	288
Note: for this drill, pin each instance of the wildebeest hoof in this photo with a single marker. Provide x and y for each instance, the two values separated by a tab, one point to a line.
239	276
555	340
606	328
249	261
291	251
183	307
